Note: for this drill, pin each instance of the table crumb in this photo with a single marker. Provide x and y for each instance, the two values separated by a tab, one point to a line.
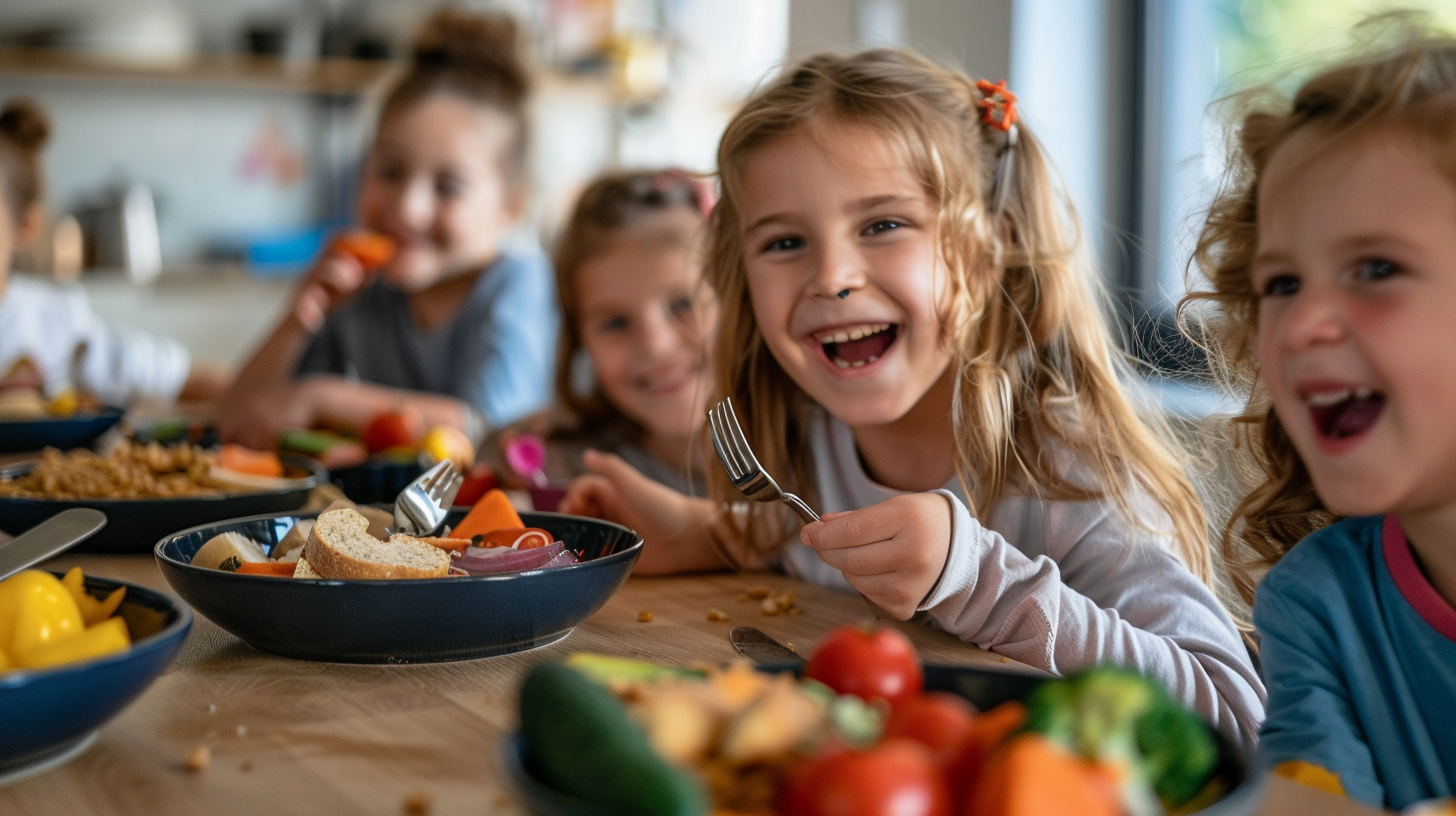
645	616
212	708
1004	660
418	802
757	593
242	731
783	603
768	607
717	615
199	759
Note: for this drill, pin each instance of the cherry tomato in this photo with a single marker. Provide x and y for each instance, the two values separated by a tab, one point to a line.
868	662
940	721
480	479
393	429
895	778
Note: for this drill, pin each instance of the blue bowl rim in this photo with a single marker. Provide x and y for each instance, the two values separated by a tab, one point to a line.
626	554
106	412
317	476
153	642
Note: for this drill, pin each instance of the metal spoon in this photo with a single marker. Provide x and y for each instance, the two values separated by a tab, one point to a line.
51	537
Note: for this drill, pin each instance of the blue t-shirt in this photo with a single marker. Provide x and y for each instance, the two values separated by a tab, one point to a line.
1359	657
497	354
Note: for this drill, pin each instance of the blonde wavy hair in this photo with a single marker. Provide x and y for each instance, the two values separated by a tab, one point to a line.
1034	359
1411	81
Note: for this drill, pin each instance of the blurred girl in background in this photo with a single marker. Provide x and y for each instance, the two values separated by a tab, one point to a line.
634	305
454	326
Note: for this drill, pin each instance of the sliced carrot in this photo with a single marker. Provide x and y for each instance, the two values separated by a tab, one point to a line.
239	459
491	513
1031	776
276	568
521	538
370	249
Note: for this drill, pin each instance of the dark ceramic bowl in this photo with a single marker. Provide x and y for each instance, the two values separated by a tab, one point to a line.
404	621
135	525
46	716
71	432
985	689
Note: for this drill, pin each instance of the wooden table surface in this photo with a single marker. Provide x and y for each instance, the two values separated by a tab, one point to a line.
289	736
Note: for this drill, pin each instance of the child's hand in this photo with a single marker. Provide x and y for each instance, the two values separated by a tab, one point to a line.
333	280
892	552
673	525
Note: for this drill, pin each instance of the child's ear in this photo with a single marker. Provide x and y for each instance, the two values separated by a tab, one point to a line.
32	221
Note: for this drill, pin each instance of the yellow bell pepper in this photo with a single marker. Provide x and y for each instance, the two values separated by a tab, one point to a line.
41	623
35	610
104	638
93	611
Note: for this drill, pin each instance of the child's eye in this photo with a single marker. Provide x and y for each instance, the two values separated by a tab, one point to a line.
1281	286
1376	269
612	325
449	186
882	226
681	306
388	172
785	244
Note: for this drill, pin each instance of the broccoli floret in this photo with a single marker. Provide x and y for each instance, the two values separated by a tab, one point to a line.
1179	754
1119	718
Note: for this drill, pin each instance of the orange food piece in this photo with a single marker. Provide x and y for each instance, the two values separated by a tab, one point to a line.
529	537
239	459
1031	776
275	568
455	544
491	513
988	730
370	249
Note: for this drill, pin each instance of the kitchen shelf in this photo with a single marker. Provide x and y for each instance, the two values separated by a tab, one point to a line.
334	77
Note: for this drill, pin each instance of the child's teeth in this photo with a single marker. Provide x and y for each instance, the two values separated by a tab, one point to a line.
1363	393
857	364
841	363
1328	398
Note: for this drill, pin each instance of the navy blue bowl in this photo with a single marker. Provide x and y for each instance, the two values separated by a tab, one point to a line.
985	688
47	713
67	433
135	525
404	621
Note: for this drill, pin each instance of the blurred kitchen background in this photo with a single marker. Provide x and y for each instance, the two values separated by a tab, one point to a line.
203	148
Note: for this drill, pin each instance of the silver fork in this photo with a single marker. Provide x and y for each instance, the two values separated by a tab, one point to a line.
422	505
749	477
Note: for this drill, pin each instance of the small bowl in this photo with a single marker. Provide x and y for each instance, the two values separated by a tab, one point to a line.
18	436
403	621
50	715
134	525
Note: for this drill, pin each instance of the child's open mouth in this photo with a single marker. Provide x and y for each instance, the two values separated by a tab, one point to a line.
857	346
1347	413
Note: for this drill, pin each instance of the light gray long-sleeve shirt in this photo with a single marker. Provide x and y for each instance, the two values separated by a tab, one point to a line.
1062	586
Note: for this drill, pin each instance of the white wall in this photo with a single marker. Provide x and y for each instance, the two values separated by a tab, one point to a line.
972	34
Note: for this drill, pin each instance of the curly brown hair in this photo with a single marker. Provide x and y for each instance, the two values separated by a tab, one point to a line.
1408	78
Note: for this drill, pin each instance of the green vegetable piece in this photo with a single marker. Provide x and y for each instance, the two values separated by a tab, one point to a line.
1179	754
607	670
580	740
309	442
857	723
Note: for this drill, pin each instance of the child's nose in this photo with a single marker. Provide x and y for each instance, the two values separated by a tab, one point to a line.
1315	318
659	336
841	267
416	204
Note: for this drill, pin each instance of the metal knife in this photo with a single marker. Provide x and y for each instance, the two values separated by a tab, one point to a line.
54	535
763	650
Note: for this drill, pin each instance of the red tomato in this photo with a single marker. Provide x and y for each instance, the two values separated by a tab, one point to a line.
940	721
393	429
480	479
868	662
895	778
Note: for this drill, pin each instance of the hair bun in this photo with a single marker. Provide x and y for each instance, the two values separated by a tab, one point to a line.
25	124
486	44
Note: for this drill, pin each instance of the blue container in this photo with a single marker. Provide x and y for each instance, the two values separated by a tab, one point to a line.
49	715
285	254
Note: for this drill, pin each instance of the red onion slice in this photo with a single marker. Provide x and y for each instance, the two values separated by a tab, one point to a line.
494	560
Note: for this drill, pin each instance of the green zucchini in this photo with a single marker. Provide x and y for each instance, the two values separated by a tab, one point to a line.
580	740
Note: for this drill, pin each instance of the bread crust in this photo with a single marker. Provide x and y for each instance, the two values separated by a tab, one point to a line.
340	547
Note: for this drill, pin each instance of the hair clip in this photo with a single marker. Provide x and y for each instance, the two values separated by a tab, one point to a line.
998	104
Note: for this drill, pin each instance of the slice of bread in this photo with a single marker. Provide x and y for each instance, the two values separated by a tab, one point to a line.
339	546
379	520
303	570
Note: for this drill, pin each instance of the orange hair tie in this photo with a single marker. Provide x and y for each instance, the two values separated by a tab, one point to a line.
998	104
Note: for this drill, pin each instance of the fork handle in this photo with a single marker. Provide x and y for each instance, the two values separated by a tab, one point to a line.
805	511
